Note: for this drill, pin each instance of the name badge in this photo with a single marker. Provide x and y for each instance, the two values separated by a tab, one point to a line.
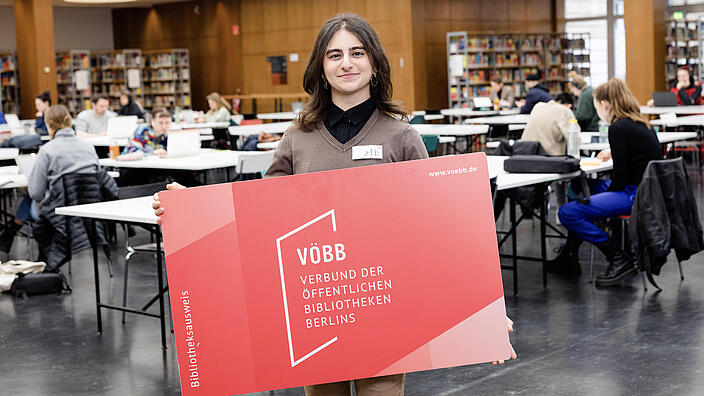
367	152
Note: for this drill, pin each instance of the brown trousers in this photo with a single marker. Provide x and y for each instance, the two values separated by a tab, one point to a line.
390	385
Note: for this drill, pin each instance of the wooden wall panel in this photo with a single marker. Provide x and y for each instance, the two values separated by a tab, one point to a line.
645	47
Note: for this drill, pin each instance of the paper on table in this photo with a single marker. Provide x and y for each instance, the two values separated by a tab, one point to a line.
456	65
134	78
82	78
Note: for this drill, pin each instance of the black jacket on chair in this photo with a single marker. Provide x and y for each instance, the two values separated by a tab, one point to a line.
60	236
664	216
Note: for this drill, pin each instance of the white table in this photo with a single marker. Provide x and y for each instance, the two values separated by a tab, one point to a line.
673	109
206	159
284	115
501	120
9	153
450	129
274	145
246	130
663	137
467	112
105	141
135	210
200	125
695	120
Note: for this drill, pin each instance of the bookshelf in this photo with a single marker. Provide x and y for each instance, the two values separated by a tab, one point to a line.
682	47
10	91
113	72
73	73
166	79
474	59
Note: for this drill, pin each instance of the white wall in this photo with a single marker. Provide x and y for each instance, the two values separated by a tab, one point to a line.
74	27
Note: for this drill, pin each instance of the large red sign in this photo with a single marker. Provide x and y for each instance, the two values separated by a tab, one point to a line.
334	275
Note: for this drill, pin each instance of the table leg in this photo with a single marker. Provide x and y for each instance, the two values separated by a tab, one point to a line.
254	105
512	213
160	278
543	232
96	273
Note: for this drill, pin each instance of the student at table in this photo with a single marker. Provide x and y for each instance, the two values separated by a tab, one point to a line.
548	124
349	82
42	103
63	154
94	122
686	90
537	92
503	93
219	109
632	146
585	113
129	107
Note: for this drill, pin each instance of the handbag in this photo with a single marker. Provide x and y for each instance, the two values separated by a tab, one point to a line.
33	284
541	164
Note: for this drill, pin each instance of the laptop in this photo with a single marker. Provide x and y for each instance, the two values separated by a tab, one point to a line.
26	163
664	99
13	121
482	102
122	127
188	116
183	144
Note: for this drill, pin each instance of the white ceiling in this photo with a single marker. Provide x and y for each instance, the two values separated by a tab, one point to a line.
138	3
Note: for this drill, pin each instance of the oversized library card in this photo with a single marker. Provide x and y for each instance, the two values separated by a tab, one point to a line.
335	275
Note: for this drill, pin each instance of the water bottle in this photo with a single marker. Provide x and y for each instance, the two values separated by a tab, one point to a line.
603	132
573	139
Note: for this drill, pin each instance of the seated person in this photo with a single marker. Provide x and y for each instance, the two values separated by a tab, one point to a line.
149	139
42	103
219	109
585	113
537	92
688	92
503	93
94	122
632	146
548	124
63	154
128	106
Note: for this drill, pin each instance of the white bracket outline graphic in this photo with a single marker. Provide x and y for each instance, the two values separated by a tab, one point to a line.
294	362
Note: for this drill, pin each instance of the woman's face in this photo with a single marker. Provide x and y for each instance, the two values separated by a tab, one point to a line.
683	78
40	104
213	105
124	100
574	90
347	67
603	108
496	87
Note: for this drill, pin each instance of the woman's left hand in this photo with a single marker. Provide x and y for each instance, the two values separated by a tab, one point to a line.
509	327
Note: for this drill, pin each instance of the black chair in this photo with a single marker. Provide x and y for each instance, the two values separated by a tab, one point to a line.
136	192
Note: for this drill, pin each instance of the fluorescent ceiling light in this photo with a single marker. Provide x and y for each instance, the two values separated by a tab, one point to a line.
99	1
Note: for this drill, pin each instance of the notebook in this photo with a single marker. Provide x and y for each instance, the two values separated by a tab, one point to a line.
26	163
13	121
482	102
664	99
122	127
183	144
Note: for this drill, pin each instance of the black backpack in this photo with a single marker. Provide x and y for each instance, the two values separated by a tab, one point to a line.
34	284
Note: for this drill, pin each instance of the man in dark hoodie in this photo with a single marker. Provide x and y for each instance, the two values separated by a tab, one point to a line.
537	92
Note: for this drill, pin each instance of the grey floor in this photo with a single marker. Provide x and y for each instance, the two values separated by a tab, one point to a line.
571	338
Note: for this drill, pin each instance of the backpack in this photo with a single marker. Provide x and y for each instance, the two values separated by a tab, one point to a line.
35	284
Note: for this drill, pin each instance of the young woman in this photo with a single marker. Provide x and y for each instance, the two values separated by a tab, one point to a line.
632	145
42	103
219	109
128	106
585	113
688	92
349	83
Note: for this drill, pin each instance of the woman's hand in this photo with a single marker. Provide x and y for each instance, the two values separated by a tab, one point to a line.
651	103
160	152
509	327
604	155
520	103
156	204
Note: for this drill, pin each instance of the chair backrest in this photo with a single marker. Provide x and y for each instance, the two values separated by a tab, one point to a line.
419	119
431	142
255	162
142	190
251	122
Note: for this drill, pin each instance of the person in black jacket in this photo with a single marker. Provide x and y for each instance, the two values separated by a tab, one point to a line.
537	92
128	106
632	146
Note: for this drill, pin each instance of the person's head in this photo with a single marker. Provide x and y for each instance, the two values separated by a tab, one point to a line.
565	99
576	83
57	117
532	80
100	104
125	98
43	101
496	84
684	77
215	102
347	63
614	101
161	121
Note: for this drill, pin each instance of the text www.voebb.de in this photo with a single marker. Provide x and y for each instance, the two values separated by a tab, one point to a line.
456	171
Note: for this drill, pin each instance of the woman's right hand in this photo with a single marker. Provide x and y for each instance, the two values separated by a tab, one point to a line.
156	204
650	103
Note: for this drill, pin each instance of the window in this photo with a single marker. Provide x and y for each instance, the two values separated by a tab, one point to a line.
603	20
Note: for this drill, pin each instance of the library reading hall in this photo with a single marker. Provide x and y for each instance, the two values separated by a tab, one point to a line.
239	197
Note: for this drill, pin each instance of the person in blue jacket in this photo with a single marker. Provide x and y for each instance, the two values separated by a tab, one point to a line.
537	92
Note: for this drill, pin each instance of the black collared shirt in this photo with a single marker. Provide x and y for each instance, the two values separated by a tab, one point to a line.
344	125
